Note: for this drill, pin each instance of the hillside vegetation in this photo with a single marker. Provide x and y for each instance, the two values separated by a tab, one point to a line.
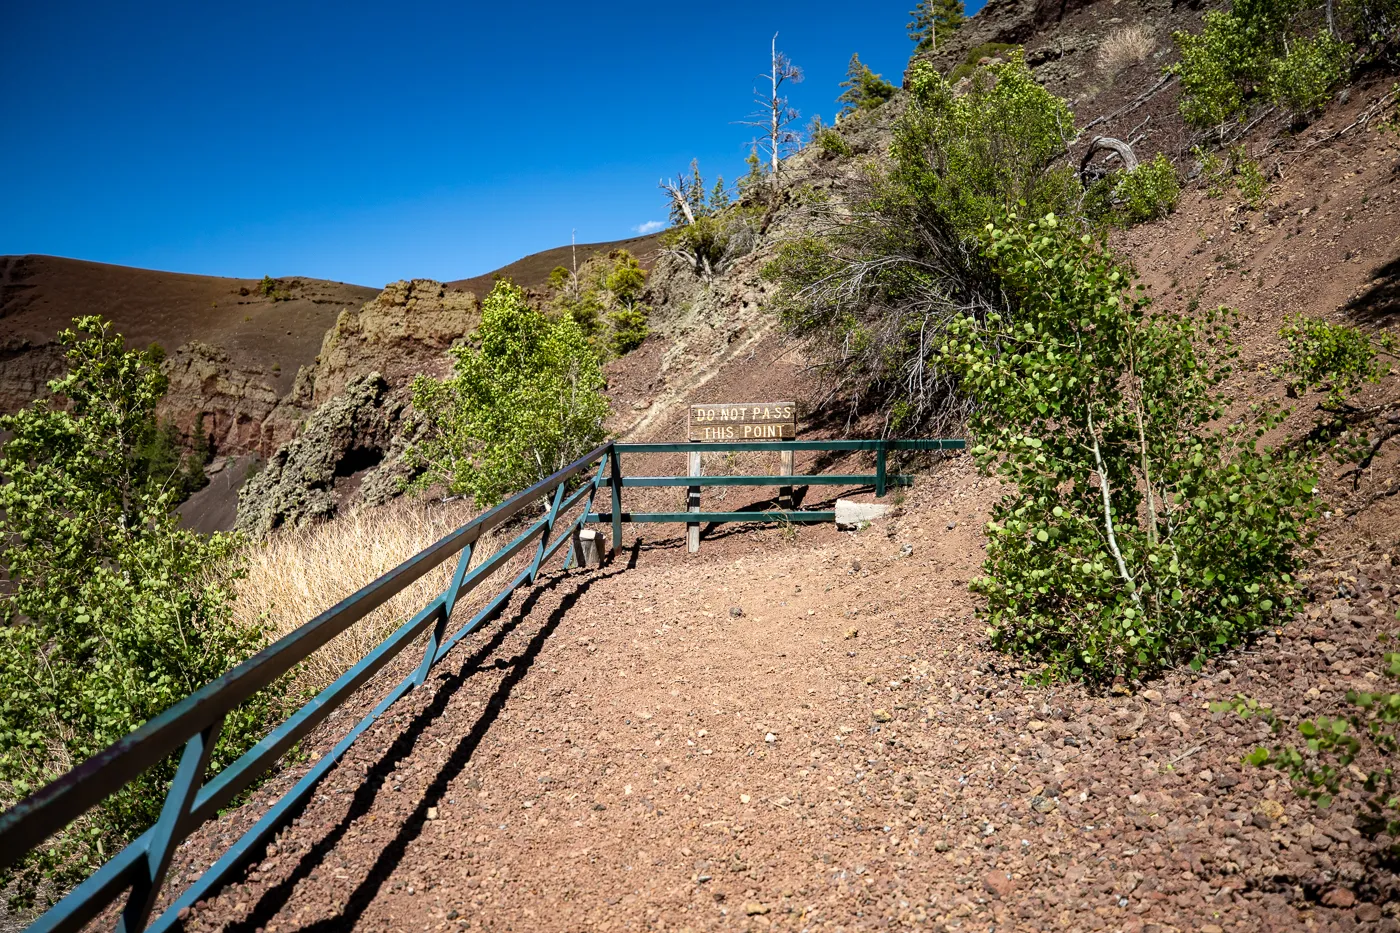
1116	245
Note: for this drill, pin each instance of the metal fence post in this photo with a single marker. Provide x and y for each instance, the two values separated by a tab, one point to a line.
880	470
616	479
440	626
692	498
169	830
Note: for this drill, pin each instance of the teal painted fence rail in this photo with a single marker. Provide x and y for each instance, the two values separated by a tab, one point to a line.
138	872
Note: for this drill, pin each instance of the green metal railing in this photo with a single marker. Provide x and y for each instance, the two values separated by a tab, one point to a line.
139	870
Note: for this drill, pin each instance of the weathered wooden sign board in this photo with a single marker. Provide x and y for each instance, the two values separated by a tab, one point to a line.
750	421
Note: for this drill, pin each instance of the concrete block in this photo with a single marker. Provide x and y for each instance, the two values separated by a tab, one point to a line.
851	514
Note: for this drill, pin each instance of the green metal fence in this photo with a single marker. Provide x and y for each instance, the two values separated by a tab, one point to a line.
135	875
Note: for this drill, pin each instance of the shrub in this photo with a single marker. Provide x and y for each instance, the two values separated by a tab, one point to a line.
1125	47
830	141
1134	535
1148	192
874	293
605	301
710	233
976	57
524	400
110	614
1258	50
1238	169
981	154
1337	357
1326	767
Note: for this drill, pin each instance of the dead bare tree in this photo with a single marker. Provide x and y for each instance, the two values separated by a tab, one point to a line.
775	117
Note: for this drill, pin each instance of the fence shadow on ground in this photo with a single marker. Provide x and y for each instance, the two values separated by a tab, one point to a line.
357	902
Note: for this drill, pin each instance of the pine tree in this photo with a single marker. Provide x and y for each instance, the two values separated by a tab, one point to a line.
719	196
865	90
934	21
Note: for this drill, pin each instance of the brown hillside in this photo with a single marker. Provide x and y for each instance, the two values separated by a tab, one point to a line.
40	295
533	270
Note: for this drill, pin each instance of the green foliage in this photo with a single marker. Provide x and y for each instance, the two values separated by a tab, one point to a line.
864	90
1258	51
1237	170
1353	756
1149	191
164	460
605	301
873	295
829	140
1339	358
933	22
272	288
985	152
1135	534
111	613
717	231
987	51
1303	79
524	400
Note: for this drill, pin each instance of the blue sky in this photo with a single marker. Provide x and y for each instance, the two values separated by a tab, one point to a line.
366	142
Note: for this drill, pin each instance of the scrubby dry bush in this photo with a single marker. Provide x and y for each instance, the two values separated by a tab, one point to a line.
1125	47
300	572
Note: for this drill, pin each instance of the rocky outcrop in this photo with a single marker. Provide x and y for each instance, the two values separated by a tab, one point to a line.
234	402
309	478
402	332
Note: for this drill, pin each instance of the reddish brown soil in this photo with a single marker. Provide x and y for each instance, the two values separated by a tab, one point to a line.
601	759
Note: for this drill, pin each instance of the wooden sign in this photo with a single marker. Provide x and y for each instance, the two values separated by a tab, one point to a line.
753	421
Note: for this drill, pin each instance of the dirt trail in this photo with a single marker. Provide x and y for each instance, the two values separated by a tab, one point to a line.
808	734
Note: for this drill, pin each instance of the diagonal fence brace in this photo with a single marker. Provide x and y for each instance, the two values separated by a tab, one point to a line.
170	829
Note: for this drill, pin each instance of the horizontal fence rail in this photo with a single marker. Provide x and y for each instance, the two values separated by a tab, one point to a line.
139	870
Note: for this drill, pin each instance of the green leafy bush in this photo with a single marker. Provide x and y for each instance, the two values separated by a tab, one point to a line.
112	612
873	294
1237	170
1135	534
524	400
830	141
1148	192
982	153
1258	51
1340	358
1352	756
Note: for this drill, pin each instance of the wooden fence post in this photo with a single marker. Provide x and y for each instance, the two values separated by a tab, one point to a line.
692	529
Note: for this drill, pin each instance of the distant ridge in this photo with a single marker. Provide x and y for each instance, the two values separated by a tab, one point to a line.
533	270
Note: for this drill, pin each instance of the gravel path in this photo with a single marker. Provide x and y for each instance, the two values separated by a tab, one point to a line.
809	733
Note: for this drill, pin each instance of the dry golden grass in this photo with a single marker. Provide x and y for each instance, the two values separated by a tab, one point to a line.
1125	47
298	573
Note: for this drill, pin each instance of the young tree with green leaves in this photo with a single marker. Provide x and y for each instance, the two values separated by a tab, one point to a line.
864	90
933	22
1137	532
112	612
524	400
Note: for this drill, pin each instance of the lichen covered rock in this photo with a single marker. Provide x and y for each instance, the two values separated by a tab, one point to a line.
307	479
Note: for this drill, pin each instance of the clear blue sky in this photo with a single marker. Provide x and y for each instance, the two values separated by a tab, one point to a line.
366	142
